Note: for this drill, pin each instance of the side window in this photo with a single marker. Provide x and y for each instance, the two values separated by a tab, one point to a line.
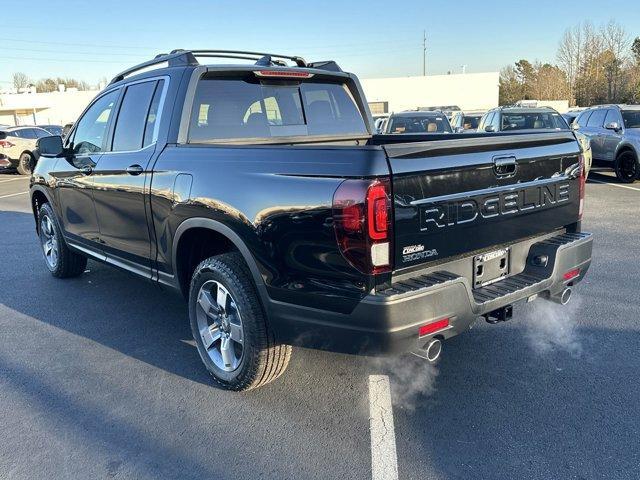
29	133
41	133
92	127
495	121
153	117
133	116
583	118
482	123
597	118
487	120
612	116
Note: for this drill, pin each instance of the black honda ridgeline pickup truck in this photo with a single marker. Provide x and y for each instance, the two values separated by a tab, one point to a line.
260	192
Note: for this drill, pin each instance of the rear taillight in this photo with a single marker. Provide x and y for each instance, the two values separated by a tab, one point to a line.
6	144
362	223
581	185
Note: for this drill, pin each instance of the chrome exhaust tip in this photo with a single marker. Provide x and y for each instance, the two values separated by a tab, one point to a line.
563	298
433	350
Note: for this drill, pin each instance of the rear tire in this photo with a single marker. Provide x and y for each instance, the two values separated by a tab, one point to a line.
59	259
627	167
24	164
232	315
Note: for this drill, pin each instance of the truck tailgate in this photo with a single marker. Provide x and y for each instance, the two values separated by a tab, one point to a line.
462	195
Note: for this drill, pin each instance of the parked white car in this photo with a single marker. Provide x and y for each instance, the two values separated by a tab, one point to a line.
16	147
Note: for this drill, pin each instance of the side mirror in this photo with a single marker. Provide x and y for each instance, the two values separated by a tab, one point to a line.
50	146
489	128
612	126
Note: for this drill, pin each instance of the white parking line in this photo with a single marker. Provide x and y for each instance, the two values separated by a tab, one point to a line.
13	195
14	179
384	460
615	185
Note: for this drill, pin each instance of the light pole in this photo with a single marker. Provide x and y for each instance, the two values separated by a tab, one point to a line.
424	53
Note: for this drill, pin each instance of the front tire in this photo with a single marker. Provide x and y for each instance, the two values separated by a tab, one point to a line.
230	329
24	164
627	167
60	260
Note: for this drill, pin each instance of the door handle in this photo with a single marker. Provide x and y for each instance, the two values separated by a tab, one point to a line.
134	169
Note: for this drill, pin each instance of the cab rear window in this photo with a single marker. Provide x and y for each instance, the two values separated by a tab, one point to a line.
531	120
419	124
250	109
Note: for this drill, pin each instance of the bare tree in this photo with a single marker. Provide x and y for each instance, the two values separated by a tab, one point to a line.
20	80
569	56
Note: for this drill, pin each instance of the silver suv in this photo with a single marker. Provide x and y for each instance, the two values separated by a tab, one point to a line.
614	131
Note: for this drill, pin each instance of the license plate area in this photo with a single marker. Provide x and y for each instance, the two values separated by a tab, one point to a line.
490	267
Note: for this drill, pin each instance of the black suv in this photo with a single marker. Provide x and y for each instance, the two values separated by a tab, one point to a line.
258	190
614	131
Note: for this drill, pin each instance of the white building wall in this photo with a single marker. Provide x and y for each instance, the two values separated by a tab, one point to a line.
50	108
470	91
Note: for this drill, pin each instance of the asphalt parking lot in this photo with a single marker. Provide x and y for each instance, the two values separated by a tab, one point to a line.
99	378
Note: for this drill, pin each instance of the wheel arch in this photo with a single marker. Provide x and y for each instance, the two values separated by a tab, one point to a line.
225	232
626	147
39	196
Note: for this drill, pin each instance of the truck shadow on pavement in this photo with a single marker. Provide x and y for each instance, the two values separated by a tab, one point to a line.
494	407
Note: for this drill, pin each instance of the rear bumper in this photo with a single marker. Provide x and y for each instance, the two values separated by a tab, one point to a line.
6	163
388	321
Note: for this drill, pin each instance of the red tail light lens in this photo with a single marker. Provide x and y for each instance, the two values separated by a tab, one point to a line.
6	144
362	223
377	211
582	185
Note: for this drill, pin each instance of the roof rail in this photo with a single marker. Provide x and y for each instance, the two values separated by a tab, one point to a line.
180	57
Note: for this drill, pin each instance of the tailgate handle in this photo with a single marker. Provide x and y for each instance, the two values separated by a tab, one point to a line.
505	166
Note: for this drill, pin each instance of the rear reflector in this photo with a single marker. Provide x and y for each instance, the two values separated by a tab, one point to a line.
282	74
433	327
571	274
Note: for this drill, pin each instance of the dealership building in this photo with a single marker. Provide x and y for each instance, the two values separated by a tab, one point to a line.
51	108
469	91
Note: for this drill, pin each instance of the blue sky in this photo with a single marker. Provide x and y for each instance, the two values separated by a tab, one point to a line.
90	40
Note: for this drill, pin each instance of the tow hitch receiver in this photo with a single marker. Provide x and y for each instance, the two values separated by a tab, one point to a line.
500	315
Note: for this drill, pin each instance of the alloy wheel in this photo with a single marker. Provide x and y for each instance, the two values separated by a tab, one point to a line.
49	242
220	326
